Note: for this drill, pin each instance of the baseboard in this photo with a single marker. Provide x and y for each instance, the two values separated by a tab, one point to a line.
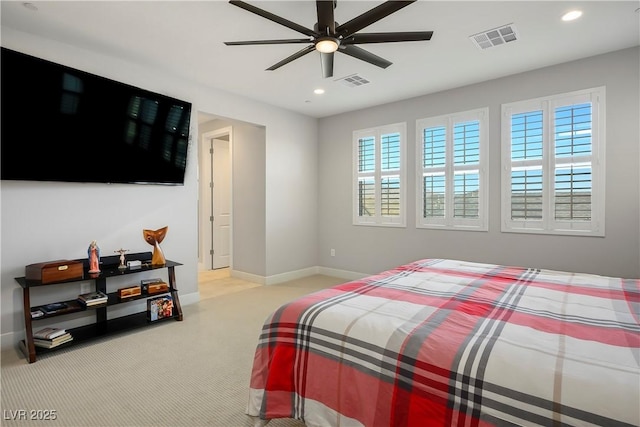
10	340
190	298
291	275
249	277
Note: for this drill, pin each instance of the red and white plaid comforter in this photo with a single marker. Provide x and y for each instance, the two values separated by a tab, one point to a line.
451	343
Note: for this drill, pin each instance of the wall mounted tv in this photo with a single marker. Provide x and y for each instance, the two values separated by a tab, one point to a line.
63	124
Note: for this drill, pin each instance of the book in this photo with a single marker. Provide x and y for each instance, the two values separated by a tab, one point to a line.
49	333
53	307
93	298
36	312
93	304
54	342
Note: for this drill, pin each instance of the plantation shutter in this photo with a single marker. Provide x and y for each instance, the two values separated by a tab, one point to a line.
390	174
573	177
556	157
433	177
450	167
379	176
466	176
366	178
526	166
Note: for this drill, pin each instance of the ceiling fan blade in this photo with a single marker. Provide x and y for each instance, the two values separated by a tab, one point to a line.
283	41
403	36
326	21
364	55
296	55
326	61
275	18
371	16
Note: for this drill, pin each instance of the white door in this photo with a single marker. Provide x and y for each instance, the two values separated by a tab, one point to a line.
221	203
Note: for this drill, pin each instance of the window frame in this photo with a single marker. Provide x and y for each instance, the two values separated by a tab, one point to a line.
378	219
548	224
449	222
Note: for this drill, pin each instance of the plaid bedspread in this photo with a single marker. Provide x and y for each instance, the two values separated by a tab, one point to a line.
451	343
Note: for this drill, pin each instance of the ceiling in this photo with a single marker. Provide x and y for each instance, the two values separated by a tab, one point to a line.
185	38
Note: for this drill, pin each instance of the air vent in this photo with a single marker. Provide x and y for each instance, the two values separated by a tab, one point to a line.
494	37
353	80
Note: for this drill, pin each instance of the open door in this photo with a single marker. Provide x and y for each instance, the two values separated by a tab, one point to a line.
215	201
221	197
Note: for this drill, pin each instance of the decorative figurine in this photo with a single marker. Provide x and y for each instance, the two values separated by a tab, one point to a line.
122	265
154	238
93	252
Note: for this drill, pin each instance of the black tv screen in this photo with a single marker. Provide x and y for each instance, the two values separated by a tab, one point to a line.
62	124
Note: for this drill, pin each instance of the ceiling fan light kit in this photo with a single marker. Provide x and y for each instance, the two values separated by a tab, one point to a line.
327	37
327	45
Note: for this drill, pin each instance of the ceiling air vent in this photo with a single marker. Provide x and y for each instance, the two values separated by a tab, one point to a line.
353	80
494	37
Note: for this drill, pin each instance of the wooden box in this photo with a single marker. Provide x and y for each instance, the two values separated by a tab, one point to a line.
132	291
54	271
155	288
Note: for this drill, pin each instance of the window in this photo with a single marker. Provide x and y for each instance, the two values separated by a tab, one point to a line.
451	171
379	176
553	164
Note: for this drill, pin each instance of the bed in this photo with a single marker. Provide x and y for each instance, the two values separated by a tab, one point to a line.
444	342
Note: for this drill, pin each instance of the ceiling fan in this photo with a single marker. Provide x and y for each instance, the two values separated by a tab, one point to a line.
328	37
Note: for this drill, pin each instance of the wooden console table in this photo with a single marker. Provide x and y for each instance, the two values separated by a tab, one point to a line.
102	326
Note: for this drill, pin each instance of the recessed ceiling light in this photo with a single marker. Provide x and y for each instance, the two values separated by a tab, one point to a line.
570	16
318	91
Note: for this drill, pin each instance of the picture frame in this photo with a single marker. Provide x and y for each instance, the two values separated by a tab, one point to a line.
159	308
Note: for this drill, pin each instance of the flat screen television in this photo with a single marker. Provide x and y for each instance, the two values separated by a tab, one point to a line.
62	124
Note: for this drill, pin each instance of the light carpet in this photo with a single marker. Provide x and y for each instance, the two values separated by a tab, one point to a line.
190	373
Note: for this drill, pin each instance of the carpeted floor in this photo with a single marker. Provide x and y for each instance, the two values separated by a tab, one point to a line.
213	283
190	373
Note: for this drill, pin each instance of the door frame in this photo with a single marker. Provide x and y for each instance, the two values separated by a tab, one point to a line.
205	241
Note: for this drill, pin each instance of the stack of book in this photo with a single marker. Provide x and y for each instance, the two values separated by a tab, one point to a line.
51	337
93	298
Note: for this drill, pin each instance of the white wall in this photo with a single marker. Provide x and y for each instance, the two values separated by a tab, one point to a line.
373	249
49	221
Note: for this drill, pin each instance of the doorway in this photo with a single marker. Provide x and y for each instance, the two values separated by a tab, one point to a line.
216	199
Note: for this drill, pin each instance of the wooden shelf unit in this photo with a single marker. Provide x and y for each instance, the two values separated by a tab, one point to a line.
102	326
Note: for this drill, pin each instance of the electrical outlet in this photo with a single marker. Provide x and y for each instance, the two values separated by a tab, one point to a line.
333	252
85	288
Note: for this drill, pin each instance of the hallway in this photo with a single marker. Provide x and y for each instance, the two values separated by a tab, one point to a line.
213	283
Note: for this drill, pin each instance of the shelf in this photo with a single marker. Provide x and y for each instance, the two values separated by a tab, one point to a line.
101	326
107	270
86	333
73	306
114	299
